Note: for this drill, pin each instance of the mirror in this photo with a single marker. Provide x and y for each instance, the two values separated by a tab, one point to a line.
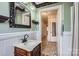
20	16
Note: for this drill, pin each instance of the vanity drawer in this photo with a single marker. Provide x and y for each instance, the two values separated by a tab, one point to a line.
20	51
18	54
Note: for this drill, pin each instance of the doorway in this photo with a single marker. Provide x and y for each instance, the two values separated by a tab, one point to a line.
44	33
49	32
52	24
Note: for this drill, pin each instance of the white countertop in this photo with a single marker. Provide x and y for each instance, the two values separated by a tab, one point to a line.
29	45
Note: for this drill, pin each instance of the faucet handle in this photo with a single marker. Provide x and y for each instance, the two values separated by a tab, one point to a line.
26	35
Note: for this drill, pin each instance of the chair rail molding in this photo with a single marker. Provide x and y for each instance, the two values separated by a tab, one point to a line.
5	36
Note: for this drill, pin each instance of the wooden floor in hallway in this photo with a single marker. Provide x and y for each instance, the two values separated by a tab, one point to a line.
50	50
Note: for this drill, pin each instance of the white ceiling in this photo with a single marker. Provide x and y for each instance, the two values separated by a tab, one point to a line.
38	3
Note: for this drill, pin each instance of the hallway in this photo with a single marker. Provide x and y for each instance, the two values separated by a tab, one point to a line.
50	50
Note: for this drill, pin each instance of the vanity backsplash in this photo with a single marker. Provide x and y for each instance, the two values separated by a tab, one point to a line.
32	35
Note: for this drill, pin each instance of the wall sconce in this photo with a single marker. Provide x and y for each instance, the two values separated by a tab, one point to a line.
35	22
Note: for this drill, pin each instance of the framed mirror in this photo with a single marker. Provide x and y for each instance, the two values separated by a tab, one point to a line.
20	16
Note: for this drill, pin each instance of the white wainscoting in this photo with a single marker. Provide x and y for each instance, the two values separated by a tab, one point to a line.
67	44
7	41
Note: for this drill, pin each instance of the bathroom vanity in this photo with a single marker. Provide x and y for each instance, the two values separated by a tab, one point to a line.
29	48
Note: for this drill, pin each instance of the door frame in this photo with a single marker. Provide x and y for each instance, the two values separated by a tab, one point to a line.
72	28
60	18
75	42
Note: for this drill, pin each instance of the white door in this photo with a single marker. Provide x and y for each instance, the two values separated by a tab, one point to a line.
52	29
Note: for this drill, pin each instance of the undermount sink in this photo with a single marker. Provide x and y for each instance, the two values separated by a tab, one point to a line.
29	45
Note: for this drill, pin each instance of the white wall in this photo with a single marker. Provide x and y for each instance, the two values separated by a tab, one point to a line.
67	44
67	34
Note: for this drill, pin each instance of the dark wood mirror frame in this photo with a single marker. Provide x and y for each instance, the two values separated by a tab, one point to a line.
12	18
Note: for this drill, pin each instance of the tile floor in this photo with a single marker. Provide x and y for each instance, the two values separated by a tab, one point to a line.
50	50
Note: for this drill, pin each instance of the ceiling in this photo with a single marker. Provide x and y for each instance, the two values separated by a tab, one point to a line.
46	14
37	3
41	4
49	12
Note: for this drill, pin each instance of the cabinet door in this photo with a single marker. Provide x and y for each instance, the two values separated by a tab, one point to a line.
36	51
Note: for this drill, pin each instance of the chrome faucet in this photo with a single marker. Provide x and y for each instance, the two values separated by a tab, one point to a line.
25	38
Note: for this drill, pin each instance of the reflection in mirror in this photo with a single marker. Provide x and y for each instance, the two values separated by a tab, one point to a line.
20	16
